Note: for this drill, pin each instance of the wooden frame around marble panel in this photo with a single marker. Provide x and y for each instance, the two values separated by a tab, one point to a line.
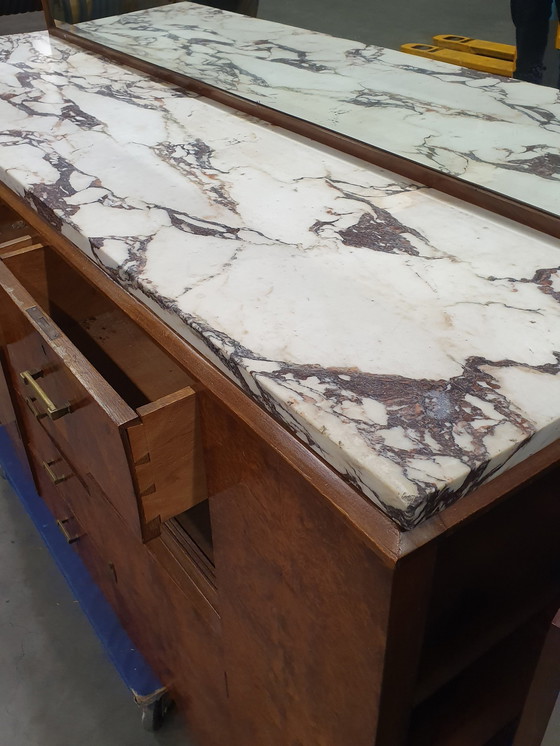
453	186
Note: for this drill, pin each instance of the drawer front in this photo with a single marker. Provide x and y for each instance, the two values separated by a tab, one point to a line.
67	500
45	463
54	475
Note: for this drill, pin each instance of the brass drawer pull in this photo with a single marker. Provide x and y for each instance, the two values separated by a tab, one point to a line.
62	526
53	412
52	476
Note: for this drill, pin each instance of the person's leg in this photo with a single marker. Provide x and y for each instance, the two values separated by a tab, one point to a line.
558	53
247	7
251	7
531	19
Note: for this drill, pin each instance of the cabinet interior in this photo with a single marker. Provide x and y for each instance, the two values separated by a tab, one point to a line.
12	227
484	697
120	350
484	609
196	524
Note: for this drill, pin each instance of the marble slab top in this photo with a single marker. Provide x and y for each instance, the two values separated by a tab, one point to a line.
498	133
410	340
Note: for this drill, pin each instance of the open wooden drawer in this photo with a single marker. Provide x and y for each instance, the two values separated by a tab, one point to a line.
118	408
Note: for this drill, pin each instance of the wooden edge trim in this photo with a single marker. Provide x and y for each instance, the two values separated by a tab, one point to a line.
381	534
154	406
486	199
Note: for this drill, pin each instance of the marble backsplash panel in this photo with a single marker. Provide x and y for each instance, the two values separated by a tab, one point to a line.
498	133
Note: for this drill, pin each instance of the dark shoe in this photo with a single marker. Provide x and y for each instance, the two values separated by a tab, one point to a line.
533	74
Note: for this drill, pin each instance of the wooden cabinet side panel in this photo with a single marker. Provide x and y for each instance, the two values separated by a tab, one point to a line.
304	603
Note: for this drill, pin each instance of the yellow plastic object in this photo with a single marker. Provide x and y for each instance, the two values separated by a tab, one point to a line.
475	46
463	59
558	37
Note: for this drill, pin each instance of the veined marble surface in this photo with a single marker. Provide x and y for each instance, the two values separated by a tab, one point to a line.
501	134
410	340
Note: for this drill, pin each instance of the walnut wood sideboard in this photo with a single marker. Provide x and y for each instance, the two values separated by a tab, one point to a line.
278	605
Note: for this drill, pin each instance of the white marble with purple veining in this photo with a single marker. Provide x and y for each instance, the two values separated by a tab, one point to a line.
500	134
411	340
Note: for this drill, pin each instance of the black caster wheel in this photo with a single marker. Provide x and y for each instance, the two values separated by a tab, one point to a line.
153	714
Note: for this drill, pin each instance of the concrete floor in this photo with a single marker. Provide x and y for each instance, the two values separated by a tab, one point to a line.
57	686
391	23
